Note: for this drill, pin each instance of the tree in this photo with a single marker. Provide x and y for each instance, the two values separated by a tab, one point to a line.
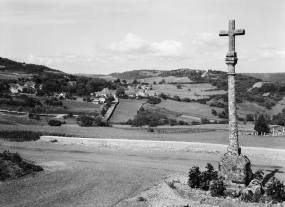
261	125
179	86
154	83
249	117
120	91
20	109
205	121
214	112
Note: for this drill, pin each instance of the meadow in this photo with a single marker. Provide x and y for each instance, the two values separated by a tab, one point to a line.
125	110
214	137
192	91
80	106
167	79
190	109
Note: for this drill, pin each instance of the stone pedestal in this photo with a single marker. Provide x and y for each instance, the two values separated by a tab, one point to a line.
235	172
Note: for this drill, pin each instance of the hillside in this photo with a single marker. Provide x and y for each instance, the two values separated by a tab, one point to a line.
270	77
10	66
137	74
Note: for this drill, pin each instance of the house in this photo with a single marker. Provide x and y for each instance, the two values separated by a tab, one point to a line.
131	93
14	88
102	99
141	93
96	101
71	83
62	95
30	84
105	92
277	130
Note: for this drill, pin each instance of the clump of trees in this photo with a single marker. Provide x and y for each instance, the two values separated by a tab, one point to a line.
261	126
86	120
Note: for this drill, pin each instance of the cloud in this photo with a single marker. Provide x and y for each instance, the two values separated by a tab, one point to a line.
265	46
130	44
40	60
167	48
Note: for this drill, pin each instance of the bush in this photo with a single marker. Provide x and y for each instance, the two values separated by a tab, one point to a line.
54	122
217	188
223	122
275	190
194	177
195	123
22	135
20	109
153	100
261	125
205	121
214	112
12	165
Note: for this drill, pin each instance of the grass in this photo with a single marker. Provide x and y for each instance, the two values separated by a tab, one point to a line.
125	110
198	89
214	137
26	135
167	79
191	110
12	166
79	106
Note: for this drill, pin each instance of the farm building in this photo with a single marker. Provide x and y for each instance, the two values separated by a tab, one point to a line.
277	130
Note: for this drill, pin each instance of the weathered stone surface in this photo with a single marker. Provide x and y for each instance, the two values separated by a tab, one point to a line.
253	191
235	169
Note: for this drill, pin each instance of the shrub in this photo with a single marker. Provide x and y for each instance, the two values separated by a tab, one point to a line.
172	122
20	109
153	100
217	188
23	135
275	190
195	123
261	125
54	122
194	177
12	165
129	122
223	122
207	176
214	112
249	117
85	120
205	121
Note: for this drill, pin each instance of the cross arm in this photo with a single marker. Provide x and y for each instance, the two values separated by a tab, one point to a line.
223	33
239	32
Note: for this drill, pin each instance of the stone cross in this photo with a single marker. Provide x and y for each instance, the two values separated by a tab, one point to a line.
231	61
234	168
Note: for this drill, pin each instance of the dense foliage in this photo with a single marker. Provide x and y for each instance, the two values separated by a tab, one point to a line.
13	66
86	120
261	126
12	165
23	135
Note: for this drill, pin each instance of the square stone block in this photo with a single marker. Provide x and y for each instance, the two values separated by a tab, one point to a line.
235	169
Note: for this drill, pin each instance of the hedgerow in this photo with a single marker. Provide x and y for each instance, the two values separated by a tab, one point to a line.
23	135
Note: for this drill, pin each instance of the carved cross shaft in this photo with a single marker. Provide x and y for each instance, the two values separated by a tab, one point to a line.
231	61
232	33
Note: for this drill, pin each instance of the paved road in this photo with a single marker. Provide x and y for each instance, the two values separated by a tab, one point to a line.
86	176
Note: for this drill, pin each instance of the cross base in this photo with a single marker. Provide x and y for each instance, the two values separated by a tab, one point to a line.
235	171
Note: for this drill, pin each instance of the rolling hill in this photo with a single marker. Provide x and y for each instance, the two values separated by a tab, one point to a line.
270	77
10	67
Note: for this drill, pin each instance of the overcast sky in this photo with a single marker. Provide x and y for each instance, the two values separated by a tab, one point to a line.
104	36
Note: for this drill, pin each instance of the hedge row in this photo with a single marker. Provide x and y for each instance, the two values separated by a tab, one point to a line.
23	135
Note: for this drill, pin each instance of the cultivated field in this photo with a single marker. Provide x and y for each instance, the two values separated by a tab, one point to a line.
80	106
192	91
214	137
125	110
167	79
190	110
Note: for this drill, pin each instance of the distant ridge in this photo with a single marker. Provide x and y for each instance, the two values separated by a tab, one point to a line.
7	65
270	77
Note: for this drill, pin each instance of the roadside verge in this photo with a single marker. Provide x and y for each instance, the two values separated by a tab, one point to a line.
171	145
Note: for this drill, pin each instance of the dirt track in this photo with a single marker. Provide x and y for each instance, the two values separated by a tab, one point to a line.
102	176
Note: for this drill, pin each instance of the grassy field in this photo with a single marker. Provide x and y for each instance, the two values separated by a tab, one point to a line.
168	79
218	137
125	110
190	109
80	106
197	91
